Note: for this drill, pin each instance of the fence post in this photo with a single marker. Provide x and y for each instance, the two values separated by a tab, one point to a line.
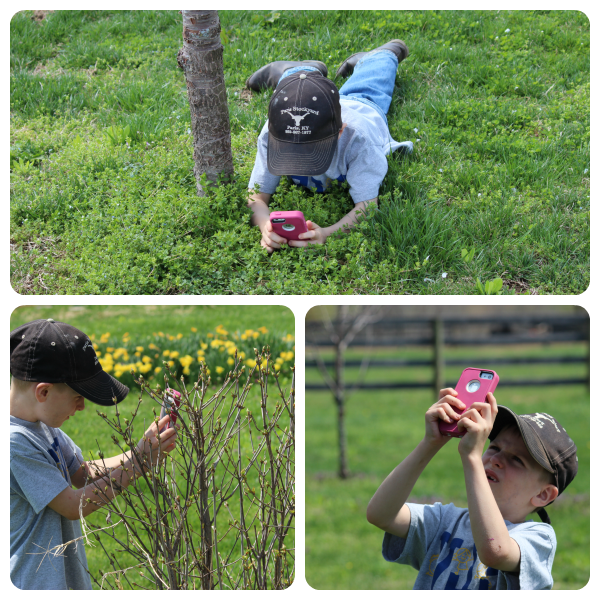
438	340
587	332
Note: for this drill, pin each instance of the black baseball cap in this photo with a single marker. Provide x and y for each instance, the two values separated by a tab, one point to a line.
305	118
49	351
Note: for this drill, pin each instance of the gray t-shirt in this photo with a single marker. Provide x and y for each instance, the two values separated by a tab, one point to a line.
42	460
360	157
440	546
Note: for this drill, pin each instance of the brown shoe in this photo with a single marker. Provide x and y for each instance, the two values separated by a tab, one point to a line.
269	75
398	47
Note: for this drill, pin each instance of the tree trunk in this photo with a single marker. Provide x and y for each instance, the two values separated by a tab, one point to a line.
201	59
340	395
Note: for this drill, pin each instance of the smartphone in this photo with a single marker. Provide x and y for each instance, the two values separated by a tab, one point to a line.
288	223
171	399
473	386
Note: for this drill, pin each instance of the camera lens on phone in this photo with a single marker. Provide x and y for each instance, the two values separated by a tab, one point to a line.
473	386
288	227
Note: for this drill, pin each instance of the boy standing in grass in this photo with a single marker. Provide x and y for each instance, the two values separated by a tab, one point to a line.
490	545
316	134
54	369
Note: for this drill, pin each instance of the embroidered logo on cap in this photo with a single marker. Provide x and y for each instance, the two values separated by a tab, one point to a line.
297	128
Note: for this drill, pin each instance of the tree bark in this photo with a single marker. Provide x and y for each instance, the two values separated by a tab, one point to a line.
201	59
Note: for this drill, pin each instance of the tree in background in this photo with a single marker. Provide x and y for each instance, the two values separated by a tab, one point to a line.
341	333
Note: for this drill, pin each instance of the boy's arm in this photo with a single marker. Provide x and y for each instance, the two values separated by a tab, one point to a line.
350	220
494	545
395	490
91	470
101	491
258	203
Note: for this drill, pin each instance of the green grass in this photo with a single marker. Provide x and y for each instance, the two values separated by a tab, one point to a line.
344	552
89	431
103	197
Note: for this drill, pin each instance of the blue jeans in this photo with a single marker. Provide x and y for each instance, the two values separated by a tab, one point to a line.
372	81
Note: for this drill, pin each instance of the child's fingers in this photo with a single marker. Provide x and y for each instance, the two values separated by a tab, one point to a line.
452	400
277	238
480	406
264	245
448	392
309	235
297	244
493	403
274	237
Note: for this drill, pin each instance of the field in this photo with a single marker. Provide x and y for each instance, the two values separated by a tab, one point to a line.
103	197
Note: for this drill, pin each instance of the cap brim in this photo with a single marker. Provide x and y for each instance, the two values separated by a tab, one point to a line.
101	389
504	417
288	158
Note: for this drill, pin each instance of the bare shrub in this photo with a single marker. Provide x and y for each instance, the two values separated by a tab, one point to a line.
216	512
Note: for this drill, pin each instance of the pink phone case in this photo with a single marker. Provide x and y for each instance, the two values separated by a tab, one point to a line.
168	403
288	223
470	379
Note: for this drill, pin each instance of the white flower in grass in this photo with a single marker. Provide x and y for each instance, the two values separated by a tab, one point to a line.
479	195
416	130
444	275
238	50
427	280
441	170
418	139
585	171
507	31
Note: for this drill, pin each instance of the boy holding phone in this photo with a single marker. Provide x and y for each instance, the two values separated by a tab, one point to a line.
316	134
490	545
54	369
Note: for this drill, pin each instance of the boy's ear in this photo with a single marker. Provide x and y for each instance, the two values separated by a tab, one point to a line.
41	391
548	493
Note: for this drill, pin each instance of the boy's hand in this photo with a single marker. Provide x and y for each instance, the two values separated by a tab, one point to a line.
314	235
270	240
155	445
477	422
443	410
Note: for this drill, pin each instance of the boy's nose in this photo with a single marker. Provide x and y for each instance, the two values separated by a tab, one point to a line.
81	405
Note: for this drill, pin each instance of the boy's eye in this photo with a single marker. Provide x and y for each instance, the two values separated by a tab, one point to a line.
516	457
493	447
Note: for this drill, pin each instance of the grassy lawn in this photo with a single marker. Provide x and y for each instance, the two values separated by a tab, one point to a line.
92	434
103	197
344	552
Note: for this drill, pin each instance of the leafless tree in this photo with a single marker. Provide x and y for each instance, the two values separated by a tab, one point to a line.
347	325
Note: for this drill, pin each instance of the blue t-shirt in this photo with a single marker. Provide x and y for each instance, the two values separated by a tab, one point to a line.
440	546
42	461
360	156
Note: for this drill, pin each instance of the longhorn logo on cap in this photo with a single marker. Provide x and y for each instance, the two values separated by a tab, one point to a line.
297	118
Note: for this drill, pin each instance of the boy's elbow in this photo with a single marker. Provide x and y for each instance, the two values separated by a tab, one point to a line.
371	517
362	206
498	558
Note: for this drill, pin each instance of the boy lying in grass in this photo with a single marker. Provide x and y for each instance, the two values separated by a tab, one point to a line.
316	134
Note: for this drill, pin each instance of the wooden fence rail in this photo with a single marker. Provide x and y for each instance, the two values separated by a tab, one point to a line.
440	333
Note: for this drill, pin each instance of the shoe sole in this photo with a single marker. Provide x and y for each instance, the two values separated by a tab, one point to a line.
312	63
405	54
